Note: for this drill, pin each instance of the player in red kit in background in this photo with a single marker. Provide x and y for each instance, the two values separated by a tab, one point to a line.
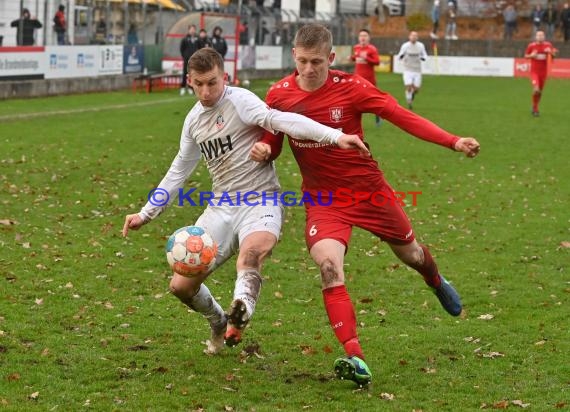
365	56
540	52
339	99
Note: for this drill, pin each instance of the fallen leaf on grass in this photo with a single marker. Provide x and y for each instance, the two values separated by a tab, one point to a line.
39	301
228	408
13	377
540	342
307	350
278	295
492	355
428	370
34	396
559	405
565	244
327	349
160	369
3	349
227	388
486	316
7	222
387	396
518	402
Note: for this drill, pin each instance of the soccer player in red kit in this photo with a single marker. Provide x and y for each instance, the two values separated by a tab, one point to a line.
359	194
539	52
365	56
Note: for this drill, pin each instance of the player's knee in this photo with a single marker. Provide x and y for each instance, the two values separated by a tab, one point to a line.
252	257
329	272
413	257
182	290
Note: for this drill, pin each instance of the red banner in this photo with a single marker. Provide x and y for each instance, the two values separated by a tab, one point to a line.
559	68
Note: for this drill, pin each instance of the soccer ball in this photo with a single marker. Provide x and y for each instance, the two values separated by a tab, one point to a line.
191	251
245	84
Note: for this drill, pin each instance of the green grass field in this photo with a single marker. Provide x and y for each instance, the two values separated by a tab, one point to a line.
87	323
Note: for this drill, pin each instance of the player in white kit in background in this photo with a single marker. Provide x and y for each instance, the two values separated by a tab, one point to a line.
222	128
412	53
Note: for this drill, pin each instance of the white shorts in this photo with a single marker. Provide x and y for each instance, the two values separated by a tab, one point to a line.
230	225
413	78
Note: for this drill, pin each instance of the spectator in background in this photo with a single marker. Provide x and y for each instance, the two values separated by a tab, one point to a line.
218	42
25	27
188	46
59	24
565	22
435	14
244	34
510	16
132	36
203	40
536	19
101	31
450	30
262	34
550	18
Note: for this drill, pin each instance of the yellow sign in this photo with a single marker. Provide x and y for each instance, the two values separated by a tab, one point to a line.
385	65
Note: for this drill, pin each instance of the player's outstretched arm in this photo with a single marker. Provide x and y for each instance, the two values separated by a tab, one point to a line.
467	145
133	222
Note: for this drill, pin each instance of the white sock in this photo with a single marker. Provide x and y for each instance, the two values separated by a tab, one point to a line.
247	288
203	302
408	96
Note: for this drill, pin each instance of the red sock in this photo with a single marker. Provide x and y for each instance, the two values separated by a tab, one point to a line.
428	269
342	319
535	101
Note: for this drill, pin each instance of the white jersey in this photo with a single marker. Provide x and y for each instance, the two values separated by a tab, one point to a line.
224	135
412	55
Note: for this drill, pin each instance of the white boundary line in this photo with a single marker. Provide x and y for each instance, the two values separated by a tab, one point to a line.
23	116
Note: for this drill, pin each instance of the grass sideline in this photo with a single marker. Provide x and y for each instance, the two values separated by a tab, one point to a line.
86	322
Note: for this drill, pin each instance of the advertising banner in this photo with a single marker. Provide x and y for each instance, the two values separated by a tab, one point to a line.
559	68
22	63
464	66
110	59
133	59
71	61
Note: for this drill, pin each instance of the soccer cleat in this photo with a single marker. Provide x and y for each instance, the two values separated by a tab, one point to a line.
237	321
216	342
410	107
182	91
352	368
535	113
448	297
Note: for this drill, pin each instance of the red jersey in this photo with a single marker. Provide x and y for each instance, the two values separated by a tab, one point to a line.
366	68
539	64
340	103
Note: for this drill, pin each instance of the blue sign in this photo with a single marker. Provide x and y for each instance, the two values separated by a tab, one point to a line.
133	61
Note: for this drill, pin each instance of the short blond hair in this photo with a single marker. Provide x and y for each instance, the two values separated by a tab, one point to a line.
312	36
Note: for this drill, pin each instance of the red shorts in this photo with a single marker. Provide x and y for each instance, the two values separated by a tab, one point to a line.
538	80
380	215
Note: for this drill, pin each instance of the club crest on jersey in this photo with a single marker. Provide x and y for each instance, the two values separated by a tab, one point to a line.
336	114
220	121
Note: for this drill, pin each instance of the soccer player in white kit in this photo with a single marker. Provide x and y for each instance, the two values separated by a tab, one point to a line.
222	127
412	53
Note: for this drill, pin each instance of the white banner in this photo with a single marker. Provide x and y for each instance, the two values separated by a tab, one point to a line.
71	61
268	57
22	63
464	66
110	60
